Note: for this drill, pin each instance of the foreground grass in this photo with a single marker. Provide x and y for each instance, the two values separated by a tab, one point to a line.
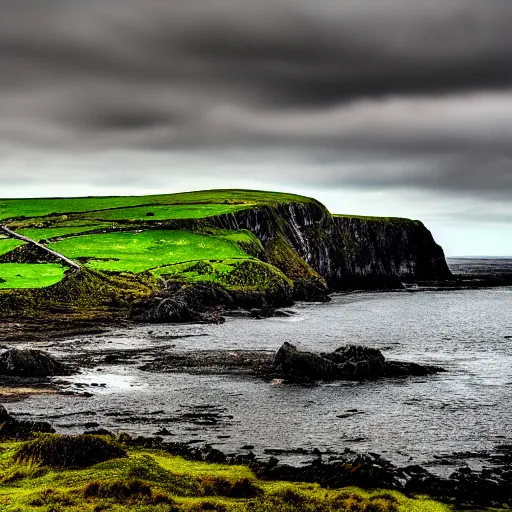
149	480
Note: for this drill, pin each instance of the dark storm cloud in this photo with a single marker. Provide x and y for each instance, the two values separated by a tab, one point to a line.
374	93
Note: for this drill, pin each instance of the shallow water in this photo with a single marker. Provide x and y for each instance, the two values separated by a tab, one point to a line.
466	409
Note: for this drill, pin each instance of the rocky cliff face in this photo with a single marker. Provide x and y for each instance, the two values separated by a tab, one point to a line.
306	242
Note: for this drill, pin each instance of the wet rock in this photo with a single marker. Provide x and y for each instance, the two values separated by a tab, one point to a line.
11	428
283	314
99	432
307	365
310	290
351	362
262	312
164	310
359	363
163	432
30	363
179	303
405	369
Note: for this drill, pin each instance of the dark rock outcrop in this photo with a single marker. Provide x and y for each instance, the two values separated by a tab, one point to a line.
179	303
306	365
203	302
30	363
11	428
351	362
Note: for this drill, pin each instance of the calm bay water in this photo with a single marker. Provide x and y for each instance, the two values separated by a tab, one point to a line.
468	332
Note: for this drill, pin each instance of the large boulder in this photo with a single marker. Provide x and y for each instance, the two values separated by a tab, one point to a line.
182	303
358	362
304	365
30	363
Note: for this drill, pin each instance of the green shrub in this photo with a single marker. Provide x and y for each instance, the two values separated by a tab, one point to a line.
68	451
218	486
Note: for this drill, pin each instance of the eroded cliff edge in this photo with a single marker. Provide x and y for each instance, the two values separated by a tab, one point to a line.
345	252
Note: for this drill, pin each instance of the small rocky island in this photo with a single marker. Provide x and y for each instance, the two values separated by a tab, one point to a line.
288	364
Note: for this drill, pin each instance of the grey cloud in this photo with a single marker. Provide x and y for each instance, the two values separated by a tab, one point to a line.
371	94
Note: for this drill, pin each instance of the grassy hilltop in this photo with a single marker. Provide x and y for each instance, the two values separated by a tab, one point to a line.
139	238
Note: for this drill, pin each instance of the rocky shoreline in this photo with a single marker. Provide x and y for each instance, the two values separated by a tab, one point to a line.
486	487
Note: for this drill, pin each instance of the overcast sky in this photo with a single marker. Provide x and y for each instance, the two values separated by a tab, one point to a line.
377	107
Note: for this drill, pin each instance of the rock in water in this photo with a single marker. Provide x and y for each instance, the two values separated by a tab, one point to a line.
30	363
358	362
304	364
351	362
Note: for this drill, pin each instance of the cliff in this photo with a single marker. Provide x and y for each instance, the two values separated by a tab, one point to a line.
306	242
263	248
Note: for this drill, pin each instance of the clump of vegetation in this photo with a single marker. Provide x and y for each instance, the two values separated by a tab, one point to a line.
292	500
123	491
52	499
21	472
68	451
218	486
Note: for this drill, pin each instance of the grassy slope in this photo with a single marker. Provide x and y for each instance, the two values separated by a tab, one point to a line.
8	244
25	275
179	485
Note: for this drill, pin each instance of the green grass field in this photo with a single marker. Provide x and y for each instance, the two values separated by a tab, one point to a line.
156	213
13	208
26	275
154	481
8	244
141	251
39	234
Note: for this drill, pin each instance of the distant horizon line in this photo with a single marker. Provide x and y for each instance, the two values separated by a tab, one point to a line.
480	257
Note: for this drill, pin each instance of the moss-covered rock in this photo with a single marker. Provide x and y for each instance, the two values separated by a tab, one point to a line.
30	363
